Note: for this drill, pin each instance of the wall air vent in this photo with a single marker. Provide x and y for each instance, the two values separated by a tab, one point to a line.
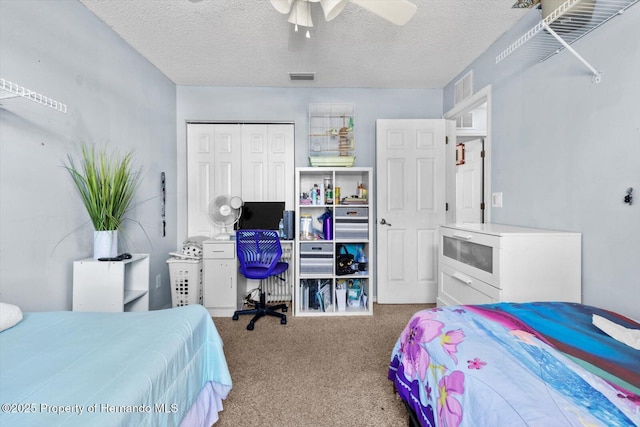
302	77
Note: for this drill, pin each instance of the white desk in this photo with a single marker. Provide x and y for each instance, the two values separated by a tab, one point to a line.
224	290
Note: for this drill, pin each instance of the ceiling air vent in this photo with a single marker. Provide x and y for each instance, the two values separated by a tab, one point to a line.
302	77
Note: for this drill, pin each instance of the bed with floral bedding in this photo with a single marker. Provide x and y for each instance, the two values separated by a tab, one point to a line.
526	364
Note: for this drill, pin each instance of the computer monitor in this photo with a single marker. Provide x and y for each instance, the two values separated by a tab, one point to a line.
261	215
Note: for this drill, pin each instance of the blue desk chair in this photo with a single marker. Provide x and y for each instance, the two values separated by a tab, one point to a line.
259	253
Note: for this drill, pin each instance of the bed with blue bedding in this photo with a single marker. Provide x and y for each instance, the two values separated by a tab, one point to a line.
157	368
517	364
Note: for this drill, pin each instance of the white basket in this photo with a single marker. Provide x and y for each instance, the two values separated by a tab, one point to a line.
186	281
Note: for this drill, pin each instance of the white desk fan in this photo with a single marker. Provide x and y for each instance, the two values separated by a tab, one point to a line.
225	211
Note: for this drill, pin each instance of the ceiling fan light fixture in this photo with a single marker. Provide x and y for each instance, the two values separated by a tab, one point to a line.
332	8
300	14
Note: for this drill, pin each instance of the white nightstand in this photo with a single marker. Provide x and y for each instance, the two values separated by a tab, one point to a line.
111	285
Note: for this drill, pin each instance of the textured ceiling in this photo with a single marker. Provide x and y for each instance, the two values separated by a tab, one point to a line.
249	43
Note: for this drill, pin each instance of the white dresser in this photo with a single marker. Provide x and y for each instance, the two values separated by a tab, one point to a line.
487	263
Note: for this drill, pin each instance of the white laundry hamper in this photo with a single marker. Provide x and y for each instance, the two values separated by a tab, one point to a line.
186	281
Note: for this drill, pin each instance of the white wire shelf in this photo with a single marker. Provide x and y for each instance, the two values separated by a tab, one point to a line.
571	21
12	90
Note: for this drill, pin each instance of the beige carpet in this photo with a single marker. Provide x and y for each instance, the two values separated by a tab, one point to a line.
314	371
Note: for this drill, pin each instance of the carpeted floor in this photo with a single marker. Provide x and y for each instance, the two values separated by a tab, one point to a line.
314	371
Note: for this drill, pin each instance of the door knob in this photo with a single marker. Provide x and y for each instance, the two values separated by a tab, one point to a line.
384	222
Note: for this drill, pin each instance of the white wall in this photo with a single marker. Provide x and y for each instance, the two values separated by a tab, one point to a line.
565	150
115	97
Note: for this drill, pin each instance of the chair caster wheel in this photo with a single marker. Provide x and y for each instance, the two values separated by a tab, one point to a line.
283	321
285	309
250	327
235	317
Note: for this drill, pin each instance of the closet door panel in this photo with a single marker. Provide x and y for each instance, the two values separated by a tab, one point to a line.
281	164
254	163
213	169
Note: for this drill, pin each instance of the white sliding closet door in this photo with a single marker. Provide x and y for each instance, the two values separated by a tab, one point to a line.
214	159
253	161
267	163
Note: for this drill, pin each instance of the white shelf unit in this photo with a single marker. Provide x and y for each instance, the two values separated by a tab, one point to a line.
112	286
12	90
315	257
563	26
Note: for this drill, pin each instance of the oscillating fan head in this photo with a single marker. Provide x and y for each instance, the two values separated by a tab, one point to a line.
225	211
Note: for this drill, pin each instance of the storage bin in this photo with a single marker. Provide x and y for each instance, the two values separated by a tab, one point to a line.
316	258
351	223
186	281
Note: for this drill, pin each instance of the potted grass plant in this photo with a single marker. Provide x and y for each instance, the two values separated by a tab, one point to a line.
106	182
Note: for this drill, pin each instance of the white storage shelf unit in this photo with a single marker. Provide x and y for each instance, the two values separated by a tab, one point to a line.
351	225
111	285
488	263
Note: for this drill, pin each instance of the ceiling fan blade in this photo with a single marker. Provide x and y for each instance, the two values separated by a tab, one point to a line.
332	8
398	12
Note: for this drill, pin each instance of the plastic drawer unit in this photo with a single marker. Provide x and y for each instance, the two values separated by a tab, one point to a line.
316	258
352	223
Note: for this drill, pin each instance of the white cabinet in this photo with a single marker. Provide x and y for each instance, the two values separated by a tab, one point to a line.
224	289
319	288
111	285
220	277
487	263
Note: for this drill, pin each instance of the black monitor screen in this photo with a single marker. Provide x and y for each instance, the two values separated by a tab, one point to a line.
261	215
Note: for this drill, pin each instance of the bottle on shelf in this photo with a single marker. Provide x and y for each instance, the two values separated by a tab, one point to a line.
281	229
361	191
305	227
328	195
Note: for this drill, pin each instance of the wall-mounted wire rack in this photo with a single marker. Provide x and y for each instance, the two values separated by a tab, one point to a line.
567	24
12	90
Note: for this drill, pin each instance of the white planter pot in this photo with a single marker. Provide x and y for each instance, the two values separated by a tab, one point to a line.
105	244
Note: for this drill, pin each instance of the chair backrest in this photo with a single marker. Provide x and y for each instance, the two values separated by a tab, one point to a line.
258	249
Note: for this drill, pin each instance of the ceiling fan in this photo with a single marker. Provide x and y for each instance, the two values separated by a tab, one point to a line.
398	12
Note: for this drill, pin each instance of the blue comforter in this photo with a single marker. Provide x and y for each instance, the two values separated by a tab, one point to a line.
535	364
109	369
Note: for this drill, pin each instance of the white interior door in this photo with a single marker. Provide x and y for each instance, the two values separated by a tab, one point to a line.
469	185
410	166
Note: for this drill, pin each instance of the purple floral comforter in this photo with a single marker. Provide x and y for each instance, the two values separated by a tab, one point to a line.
534	364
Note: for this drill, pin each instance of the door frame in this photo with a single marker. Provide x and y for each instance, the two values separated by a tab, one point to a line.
480	97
